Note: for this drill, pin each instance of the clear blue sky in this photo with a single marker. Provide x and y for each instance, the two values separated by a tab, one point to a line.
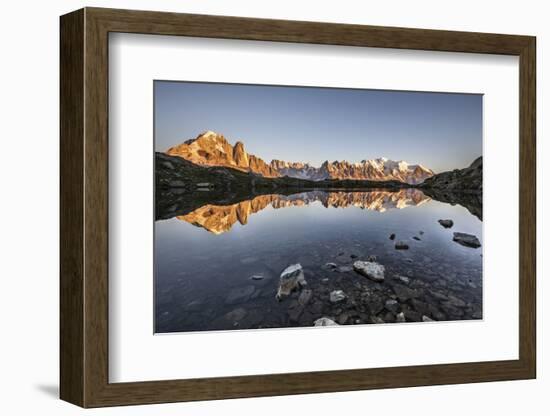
440	131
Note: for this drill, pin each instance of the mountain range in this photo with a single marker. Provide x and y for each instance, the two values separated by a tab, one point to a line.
213	149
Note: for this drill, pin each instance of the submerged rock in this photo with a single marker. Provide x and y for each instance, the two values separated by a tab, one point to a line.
404	293
257	277
324	321
295	312
343	318
292	278
177	184
401	245
392	305
446	223
239	294
304	297
467	240
370	269
412	316
337	296
403	279
456	302
235	315
249	260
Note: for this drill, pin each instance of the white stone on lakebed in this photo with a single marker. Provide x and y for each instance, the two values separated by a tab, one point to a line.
324	321
400	317
292	278
370	269
337	296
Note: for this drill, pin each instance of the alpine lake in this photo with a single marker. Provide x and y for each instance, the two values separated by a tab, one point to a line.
218	266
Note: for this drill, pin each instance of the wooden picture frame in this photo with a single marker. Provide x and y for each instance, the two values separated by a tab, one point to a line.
84	207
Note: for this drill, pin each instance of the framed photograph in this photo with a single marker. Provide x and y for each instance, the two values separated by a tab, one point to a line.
256	207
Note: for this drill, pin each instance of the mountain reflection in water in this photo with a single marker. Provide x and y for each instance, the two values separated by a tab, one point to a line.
219	256
219	219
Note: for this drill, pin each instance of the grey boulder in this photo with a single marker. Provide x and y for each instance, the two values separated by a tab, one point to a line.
446	223
370	269
467	240
337	296
324	321
292	278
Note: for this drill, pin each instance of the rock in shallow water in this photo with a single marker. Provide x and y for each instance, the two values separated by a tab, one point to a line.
370	269
403	279
400	317
392	305
292	278
257	277
239	294
305	296
343	318
337	296
177	184
324	321
401	245
294	313
467	240
235	314
404	293
392	236
446	223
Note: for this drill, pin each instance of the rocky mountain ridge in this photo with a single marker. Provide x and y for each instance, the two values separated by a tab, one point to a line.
467	179
212	149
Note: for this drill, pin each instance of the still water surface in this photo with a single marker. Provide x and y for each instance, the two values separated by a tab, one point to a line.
218	267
